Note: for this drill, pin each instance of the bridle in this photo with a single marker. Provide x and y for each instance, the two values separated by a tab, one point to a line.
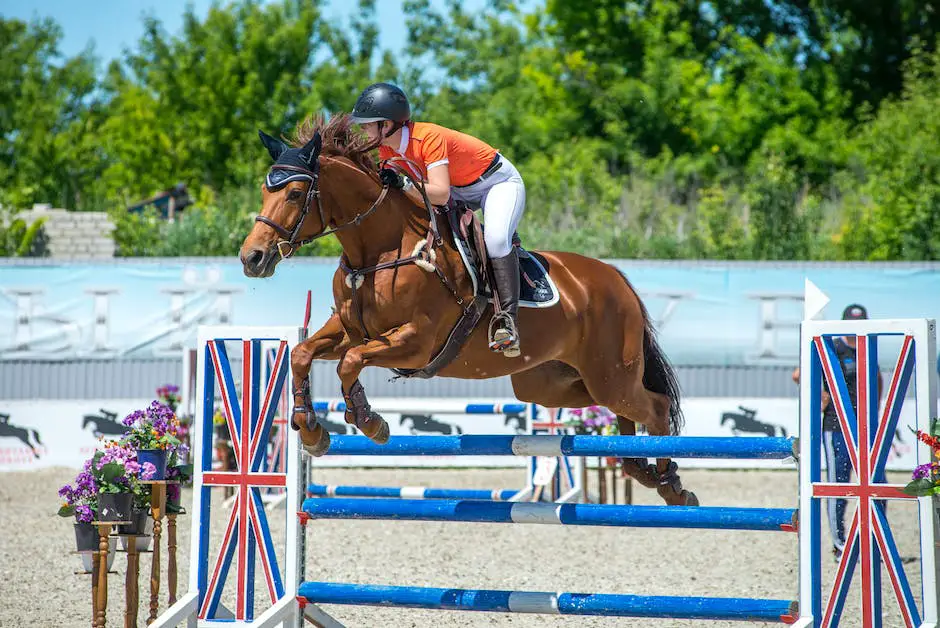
290	236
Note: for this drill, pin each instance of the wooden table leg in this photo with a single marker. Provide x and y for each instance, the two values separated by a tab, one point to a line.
171	560
131	590
601	481
613	483
627	490
585	498
157	500
104	529
94	589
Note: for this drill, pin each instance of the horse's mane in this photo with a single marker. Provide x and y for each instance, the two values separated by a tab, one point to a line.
339	139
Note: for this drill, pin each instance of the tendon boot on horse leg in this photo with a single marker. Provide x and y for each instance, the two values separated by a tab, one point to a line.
663	476
360	414
314	438
504	334
328	343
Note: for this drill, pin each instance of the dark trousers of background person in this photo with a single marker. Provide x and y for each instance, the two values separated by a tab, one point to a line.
838	469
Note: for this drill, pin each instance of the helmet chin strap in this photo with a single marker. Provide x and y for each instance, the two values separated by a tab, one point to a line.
395	127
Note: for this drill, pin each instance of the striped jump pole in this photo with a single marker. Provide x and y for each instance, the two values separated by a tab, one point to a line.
441	408
619	446
412	492
565	483
667	607
702	517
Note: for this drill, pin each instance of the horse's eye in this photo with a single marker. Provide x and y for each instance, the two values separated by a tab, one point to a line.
295	195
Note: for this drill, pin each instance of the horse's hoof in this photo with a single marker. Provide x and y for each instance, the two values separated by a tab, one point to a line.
378	431
690	498
320	447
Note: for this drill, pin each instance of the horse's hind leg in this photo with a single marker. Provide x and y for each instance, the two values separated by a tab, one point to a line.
618	384
663	476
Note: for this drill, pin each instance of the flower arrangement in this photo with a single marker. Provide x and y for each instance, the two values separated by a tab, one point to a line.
153	428
596	420
80	500
169	395
116	469
925	480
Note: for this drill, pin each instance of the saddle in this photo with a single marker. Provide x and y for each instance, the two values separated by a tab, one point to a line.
536	287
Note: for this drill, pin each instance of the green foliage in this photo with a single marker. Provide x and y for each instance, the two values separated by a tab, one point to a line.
18	239
895	214
732	129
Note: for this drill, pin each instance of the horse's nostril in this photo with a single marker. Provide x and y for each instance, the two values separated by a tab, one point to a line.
254	259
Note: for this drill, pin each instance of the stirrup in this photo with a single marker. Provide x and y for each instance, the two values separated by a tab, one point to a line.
504	339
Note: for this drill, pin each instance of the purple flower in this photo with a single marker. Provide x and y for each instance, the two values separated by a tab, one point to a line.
134	417
148	471
84	513
67	493
922	472
173	491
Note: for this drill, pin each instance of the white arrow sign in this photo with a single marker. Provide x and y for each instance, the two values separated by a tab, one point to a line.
814	300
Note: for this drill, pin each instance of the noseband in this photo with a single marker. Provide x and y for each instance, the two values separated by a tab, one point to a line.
290	236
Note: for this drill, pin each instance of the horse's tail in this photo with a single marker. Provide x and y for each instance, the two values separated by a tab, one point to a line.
658	374
783	431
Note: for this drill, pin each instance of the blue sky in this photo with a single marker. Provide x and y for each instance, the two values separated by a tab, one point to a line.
116	24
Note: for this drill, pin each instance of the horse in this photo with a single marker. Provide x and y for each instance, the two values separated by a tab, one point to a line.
744	421
104	424
425	424
29	437
401	291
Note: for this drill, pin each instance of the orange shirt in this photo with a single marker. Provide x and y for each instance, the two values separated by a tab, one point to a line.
430	145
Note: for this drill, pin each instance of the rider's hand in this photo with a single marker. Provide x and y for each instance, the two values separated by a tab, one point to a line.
391	178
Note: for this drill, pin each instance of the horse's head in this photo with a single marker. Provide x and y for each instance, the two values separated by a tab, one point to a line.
291	211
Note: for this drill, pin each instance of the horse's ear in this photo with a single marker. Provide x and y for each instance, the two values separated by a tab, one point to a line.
311	149
275	146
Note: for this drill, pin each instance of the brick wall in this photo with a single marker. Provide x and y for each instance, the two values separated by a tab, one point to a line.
73	235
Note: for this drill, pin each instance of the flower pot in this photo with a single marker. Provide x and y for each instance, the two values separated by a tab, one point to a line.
86	537
156	457
143	526
115	506
88	558
174	493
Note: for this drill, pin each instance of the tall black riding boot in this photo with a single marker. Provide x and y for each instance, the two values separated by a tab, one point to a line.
504	334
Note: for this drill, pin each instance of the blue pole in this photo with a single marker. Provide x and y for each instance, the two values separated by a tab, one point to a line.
703	517
734	447
320	490
742	609
470	408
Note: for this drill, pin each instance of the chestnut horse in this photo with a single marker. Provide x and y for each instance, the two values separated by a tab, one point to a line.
596	345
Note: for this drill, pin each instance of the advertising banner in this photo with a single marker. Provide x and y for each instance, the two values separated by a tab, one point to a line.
706	314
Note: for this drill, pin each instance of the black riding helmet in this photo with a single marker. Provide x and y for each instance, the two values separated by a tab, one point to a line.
382	101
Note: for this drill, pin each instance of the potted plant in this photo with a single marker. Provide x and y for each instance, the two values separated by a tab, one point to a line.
141	522
925	480
169	395
152	434
596	420
81	503
182	472
219	425
117	472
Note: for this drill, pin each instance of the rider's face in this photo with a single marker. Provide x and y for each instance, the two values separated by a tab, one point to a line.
373	130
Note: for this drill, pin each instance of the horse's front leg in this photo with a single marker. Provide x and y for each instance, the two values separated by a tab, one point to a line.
330	342
403	347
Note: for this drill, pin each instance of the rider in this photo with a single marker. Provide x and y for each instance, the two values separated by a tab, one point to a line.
459	166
